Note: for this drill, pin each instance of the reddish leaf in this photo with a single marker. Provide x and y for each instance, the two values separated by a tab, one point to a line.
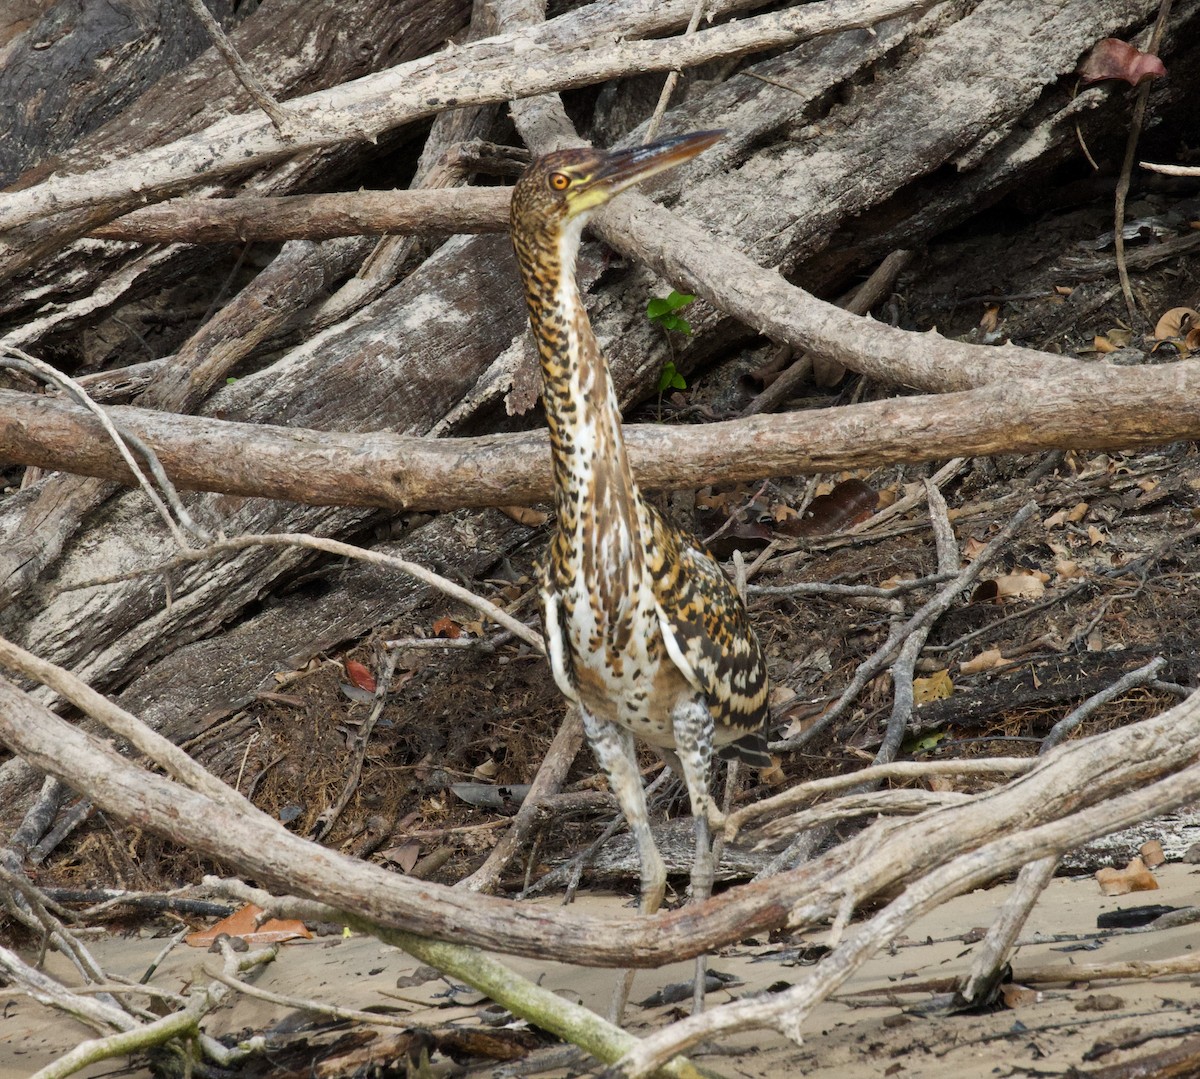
241	923
360	676
447	627
1112	58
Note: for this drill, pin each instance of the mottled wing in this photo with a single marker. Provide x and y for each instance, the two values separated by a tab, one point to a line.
709	637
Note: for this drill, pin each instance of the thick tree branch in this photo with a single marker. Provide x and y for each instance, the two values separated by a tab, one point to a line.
314	217
1101	407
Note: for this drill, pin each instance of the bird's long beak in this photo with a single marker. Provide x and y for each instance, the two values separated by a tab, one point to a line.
624	168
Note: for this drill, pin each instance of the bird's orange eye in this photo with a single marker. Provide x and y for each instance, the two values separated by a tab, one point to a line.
560	181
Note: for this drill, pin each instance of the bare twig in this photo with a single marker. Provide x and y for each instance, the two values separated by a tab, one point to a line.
1066	726
932	610
346	550
672	79
550	775
492	70
860	302
254	87
522	997
987	966
786	1011
122	723
1123	181
15	357
819	588
814	788
329	817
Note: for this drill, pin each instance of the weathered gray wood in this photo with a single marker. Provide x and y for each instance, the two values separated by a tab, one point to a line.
49	75
325	42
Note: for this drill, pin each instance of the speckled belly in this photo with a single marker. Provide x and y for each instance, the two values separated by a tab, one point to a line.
624	675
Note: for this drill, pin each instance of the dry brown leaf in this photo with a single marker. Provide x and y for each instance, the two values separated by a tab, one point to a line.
1148	485
446	627
1020	586
486	770
1176	323
991	318
774	776
716	501
1103	344
1068	569
1056	520
404	855
972	548
935	687
1135	877
1112	58
1077	512
1152	853
244	923
1064	290
526	515
780	695
1019	996
985	661
360	676
1095	536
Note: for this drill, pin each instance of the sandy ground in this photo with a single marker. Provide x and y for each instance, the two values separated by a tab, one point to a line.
845	1037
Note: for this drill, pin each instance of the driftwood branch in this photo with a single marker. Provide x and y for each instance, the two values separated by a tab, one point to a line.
314	217
1098	408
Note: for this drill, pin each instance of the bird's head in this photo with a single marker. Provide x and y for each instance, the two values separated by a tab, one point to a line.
563	188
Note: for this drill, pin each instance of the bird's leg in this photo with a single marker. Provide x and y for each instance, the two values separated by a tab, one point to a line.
613	746
692	724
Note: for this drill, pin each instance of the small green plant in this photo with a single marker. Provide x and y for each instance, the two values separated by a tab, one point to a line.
663	310
670	379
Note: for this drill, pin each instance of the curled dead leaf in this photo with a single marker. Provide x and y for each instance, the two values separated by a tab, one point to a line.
486	770
1011	586
846	504
985	661
1176	322
1019	996
403	856
526	515
1111	58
